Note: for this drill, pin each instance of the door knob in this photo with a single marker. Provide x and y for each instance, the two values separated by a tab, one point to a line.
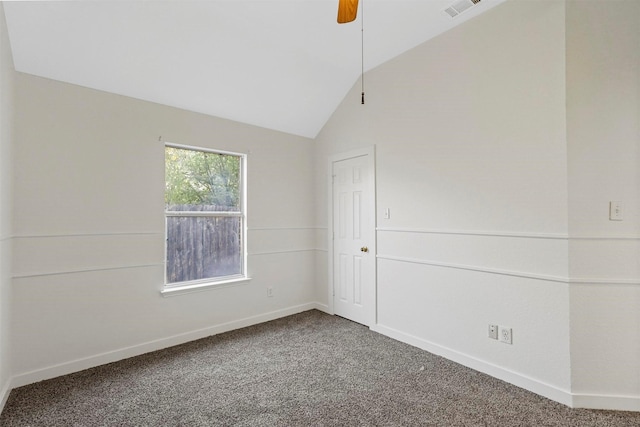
364	249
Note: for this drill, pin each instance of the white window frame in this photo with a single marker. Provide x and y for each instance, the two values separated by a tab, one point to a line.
178	288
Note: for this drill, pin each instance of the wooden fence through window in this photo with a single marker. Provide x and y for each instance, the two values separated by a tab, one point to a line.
200	247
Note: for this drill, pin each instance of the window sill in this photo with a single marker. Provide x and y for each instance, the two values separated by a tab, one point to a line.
200	287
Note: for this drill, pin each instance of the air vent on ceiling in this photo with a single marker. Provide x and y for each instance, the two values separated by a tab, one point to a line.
460	6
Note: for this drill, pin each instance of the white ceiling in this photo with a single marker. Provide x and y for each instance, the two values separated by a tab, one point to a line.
279	64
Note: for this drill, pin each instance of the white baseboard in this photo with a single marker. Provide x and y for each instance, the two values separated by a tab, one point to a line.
322	307
533	385
4	394
615	403
124	353
588	401
573	400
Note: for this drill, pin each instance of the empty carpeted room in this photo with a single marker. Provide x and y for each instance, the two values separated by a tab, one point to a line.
454	184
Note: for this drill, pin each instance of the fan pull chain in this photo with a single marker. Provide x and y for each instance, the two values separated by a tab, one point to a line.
362	47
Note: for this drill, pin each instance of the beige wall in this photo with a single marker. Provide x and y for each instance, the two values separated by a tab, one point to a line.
499	146
469	130
6	168
89	228
603	134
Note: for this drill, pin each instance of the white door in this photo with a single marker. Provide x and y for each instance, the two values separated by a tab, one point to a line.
354	239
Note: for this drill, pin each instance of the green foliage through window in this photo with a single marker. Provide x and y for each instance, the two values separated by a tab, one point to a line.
200	180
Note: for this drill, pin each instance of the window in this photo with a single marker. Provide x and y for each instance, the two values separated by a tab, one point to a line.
205	216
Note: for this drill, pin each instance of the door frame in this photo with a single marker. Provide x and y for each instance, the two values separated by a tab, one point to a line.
370	153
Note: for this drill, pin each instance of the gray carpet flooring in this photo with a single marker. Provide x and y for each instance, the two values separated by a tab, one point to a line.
310	369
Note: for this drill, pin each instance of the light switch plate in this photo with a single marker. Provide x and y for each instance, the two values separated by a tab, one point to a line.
493	332
615	211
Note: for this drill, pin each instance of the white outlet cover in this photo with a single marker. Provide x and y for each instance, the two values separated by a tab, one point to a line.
505	335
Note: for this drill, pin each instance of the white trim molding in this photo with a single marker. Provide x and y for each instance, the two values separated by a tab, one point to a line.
85	270
612	238
65	368
547	390
513	234
560	395
521	274
579	281
608	402
4	394
284	228
101	234
583	281
169	291
289	251
475	233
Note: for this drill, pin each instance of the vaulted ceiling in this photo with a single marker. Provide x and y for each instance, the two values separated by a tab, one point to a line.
280	64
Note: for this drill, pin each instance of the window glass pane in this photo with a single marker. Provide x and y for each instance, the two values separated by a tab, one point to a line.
203	247
201	181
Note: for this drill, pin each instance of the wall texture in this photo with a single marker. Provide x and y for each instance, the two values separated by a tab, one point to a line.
603	135
499	146
6	172
471	157
89	228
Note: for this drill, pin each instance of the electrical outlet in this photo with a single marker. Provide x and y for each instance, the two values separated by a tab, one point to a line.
269	291
493	332
506	335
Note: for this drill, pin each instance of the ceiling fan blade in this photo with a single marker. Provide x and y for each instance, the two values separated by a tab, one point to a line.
347	11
